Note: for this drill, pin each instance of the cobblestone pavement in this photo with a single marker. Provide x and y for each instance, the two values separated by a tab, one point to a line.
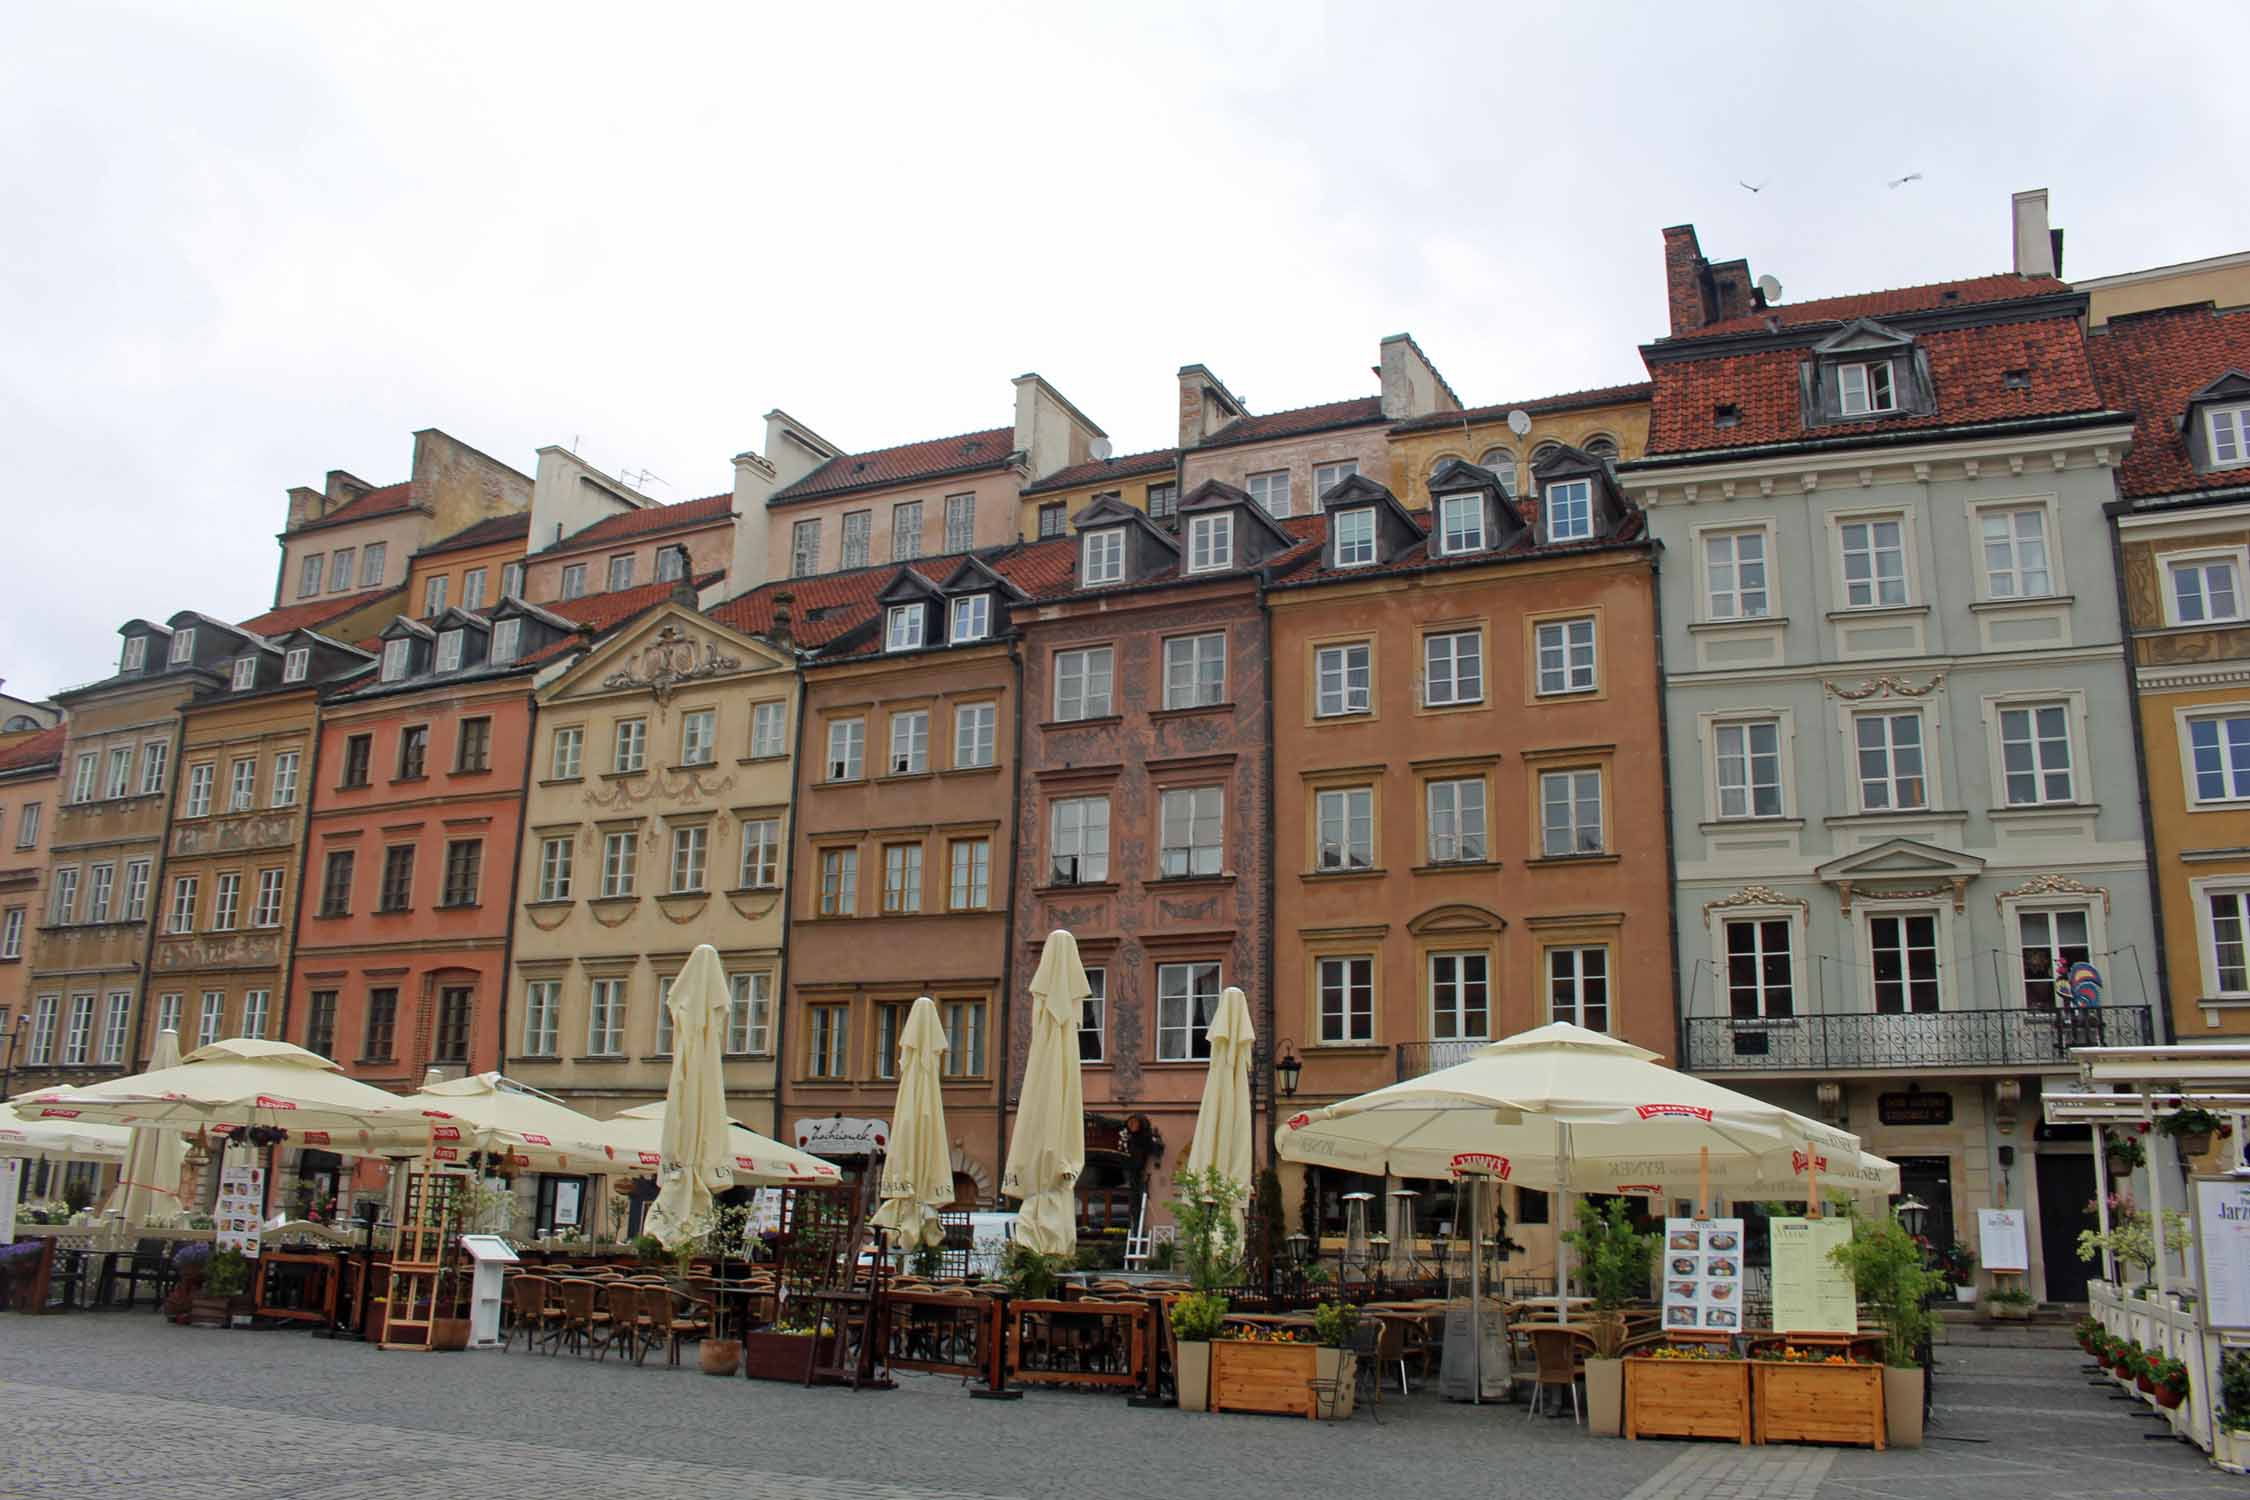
121	1404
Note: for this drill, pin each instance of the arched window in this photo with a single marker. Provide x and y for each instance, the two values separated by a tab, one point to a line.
1540	455
1502	463
1603	447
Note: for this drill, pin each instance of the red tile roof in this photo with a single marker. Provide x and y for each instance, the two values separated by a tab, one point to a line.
383	501
310	615
656	518
1357	412
821	607
1967	369
492	529
1607	395
963	453
1102	470
33	747
1906	299
602	613
2149	364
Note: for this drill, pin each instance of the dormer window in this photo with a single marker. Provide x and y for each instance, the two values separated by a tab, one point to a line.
245	673
507	639
1461	524
902	629
1102	556
972	617
296	663
136	652
1865	389
1210	543
2228	428
448	650
671	563
183	646
1355	536
394	659
1570	510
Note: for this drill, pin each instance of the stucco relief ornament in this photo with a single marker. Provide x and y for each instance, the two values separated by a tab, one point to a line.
2053	885
539	920
1886	683
1753	895
669	660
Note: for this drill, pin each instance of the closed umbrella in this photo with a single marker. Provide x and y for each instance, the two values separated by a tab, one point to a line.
918	1174
1222	1121
1048	1150
150	1182
636	1142
696	1163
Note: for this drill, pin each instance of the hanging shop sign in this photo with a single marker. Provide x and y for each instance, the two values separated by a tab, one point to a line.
842	1135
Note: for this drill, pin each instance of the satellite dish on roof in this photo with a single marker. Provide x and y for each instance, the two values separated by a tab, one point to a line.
1769	287
1519	421
1100	449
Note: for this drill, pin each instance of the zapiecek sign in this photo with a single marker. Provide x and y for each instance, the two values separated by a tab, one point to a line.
842	1135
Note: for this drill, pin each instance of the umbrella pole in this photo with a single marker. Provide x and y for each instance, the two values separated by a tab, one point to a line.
1476	1294
1570	1222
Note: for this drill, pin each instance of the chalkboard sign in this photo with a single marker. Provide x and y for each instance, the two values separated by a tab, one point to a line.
1915	1109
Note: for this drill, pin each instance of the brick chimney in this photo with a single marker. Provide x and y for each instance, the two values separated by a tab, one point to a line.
779	630
1684	286
343	489
1206	405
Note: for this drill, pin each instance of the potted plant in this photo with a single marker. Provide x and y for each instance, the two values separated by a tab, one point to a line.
1196	1319
1885	1265
1334	1323
1614	1260
1263	1369
2168	1379
2008	1304
1029	1275
224	1296
2191	1128
781	1351
649	1249
1209	1247
2130	1241
1958	1265
2085	1331
2230	1435
1687	1390
1817	1395
2124	1151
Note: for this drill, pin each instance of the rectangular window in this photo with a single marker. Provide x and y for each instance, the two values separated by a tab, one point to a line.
847	749
1050	520
964	1039
320	1023
449	650
464	871
970	888
1078	840
621	863
11	933
120	778
359	753
101	881
2035	754
1082	683
574	575
1761	981
507	640
472	745
184	891
1566	656
42	1047
371	564
136	654
472	589
1344	676
267	911
1347	999
1354	531
1093	1017
183	647
1460	997
114	1023
295	663
1210	543
563	752
199	778
382	1024
761	853
256	1004
455	1006
750	1013
829	1050
1346	828
511	580
85	777
1578	987
902	877
27	826
226	902
1890	762
211	1018
2015	554
691	847
839	882
285	779
336	884
859	525
2220	750
1271	491
906	531
542	1004
62	901
910	743
889	1019
1457	821
1748	760
1904	949
1570	510
699	737
975	728
413	752
168	1014
1734	575
804	548
1187	997
1863	390
1326	477
902	627
2204	590
1570	816
78	1040
1453	668
960	522
556	856
1874	563
340	575
154	754
1191	831
768	724
2228	428
620	572
1163	502
972	618
433	596
2230	940
1101	556
1195	671
2051	941
397	890
628	749
605	1018
1461	524
308	574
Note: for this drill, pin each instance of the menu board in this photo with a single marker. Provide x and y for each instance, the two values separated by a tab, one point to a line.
240	1212
2222	1223
1701	1263
2001	1243
1811	1293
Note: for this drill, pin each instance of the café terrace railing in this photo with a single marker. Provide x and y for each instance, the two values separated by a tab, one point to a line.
2008	1037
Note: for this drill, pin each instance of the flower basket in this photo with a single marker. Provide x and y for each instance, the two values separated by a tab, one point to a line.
777	1356
1687	1398
2169	1397
1257	1376
1818	1401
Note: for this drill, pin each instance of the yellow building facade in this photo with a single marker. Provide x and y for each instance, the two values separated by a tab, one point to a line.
1611	423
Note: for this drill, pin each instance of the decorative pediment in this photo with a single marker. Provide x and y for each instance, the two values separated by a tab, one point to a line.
1457	918
1457	476
975	575
1864	335
907	587
2232	386
663	653
1753	895
2040	887
1902	870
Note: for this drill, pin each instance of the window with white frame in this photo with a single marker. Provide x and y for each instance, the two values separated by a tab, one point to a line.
902	878
906	531
769	724
1210	543
1326	477
1460	997
2203	590
1501	464
449	650
1456	813
211	1018
2229	914
1746	757
119	779
1195	670
1271	490
1453	668
605	1018
1570	813
78	1038
1101	556
1093	1017
136	653
85	777
975	734
42	1047
1761	974
168	1013
308	574
183	646
1734	575
691	851
245	675
1187	997
1082	683
1078	840
2219	752
563	753
200	777
972	618
433	595
1347	999
2228	429
1903	948
804	548
2050	941
472	589
1889	750
1460	524
621	863
750	1013
828	1054
27	826
574	574
699	737
394	658
295	662
507	640
839	882
284	780
1865	389
902	627
542	1008
266	910
114	1024
1566	656
628	746
970	885
136	889
1191	821
2035	754
101	884
1578	987
62	897
1343	677
154	755
2015	553
1344	828
371	564
1163	502
910	743
11	933
256	1006
1353	531
242	785
1570	510
858	527
761	853
1874	559
226	902
960	522
621	572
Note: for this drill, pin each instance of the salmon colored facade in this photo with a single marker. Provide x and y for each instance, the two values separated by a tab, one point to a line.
30	763
474	568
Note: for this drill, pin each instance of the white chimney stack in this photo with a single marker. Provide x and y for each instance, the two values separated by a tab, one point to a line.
2034	239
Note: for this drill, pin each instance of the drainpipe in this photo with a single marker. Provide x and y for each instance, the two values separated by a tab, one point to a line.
1005	1051
515	874
788	893
2162	1005
1263	1147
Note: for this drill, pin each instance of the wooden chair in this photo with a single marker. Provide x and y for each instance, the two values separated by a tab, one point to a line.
1390	1349
664	1327
583	1322
1558	1358
628	1319
538	1316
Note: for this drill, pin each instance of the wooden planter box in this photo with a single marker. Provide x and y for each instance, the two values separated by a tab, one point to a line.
1274	1378
27	1287
777	1356
1809	1403
1687	1398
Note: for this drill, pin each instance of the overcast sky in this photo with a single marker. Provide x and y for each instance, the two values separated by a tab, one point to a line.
241	246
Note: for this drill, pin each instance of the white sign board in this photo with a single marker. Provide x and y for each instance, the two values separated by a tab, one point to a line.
11	1183
2222	1223
841	1135
1701	1262
239	1213
2001	1243
484	1247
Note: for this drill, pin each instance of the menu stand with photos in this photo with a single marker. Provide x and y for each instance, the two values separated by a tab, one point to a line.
1702	1266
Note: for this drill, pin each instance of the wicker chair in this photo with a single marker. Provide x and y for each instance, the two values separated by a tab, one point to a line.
659	1309
538	1316
583	1322
629	1322
1558	1356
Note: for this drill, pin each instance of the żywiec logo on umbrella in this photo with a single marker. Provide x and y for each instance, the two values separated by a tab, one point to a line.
538	1140
445	1132
267	1101
1298	1121
1482	1163
1683	1111
1798	1161
1640	1190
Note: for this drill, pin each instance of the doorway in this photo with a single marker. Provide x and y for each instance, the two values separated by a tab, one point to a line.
1930	1179
2066	1206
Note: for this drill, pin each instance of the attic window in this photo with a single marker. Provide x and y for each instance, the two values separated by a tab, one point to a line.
1952	295
2016	380
1866	389
136	652
183	646
972	617
394	659
1102	556
1355	536
1210	544
1461	524
294	665
2228	428
1726	414
245	673
507	639
449	651
1570	510
902	630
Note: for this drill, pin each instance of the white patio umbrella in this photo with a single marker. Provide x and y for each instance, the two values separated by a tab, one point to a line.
695	1161
918	1173
52	1130
150	1181
636	1140
1048	1150
1222	1121
239	1081
493	1114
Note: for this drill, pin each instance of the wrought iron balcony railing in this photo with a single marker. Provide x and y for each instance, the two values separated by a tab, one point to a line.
1929	1039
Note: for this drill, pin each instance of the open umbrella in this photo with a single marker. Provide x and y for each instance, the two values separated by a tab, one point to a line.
636	1141
696	1163
1222	1122
150	1182
918	1174
239	1081
493	1114
30	1131
1048	1150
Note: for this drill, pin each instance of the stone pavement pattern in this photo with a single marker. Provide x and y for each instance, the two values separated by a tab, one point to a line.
121	1404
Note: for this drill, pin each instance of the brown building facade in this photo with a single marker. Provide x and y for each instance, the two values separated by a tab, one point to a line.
30	763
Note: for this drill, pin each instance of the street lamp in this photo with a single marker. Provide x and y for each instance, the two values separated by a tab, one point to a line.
1287	1068
1913	1215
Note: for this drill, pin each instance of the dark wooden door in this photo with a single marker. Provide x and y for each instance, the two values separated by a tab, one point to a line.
2066	1199
1930	1178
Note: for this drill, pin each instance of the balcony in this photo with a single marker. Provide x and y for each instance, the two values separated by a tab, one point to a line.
2008	1038
1417	1058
